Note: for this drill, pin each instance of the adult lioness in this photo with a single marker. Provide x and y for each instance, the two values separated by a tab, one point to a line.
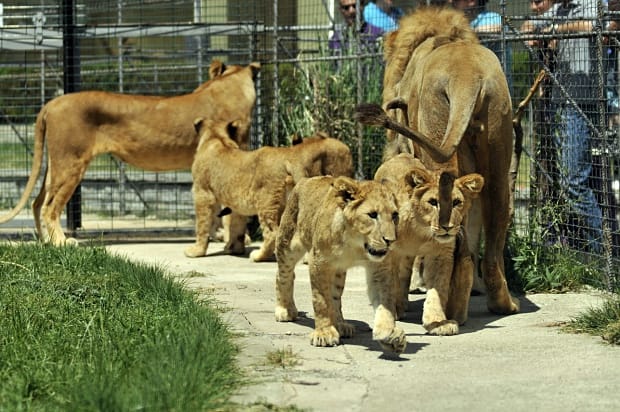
456	99
432	206
254	182
341	223
150	132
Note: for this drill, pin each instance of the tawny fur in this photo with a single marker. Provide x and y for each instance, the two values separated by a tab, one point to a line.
431	212
458	108
399	45
150	132
254	182
341	223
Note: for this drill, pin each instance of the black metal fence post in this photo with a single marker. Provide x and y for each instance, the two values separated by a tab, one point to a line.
71	80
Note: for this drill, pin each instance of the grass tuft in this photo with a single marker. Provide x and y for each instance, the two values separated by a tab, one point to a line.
603	321
283	358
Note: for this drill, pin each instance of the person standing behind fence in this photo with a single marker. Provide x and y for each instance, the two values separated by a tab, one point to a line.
343	35
383	14
543	55
574	100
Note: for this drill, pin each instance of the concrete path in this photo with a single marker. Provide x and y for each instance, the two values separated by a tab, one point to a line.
518	363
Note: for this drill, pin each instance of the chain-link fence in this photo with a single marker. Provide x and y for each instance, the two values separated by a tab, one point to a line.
567	185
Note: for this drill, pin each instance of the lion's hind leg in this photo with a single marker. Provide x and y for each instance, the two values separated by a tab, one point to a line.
37	205
402	287
235	228
53	198
345	329
495	201
288	254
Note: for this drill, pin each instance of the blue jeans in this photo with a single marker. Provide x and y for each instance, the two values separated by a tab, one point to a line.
572	139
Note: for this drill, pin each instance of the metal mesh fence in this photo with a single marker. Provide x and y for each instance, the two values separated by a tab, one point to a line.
567	185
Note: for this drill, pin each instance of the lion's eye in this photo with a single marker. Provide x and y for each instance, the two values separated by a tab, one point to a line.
456	202
433	202
373	215
395	216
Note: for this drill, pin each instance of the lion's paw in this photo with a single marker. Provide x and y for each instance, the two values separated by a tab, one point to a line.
195	251
395	342
258	256
507	306
286	314
345	329
71	241
443	328
325	337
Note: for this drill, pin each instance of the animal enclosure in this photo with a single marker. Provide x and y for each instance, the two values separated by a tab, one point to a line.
155	47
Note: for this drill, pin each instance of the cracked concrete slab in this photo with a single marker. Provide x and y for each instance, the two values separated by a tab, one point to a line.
521	362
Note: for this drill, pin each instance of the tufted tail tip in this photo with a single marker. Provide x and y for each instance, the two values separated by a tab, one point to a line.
371	114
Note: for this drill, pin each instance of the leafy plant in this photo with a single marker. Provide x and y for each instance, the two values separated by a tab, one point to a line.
536	266
322	96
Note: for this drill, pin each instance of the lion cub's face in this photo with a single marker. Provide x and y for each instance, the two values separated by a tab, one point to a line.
441	201
372	213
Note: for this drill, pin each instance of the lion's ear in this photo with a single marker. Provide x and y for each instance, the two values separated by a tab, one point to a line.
472	183
417	177
198	124
255	66
216	69
296	139
232	129
346	188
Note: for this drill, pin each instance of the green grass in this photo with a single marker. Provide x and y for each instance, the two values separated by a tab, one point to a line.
603	321
16	155
83	330
538	268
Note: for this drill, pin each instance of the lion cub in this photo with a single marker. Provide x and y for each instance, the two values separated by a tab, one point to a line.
433	206
341	223
253	182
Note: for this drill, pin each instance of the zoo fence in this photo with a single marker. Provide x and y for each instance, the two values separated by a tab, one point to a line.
165	47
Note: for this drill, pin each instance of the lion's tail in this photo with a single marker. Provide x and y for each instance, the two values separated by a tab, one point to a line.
460	118
37	161
464	101
373	115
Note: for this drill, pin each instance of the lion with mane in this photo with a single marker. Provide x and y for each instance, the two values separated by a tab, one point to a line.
451	98
150	132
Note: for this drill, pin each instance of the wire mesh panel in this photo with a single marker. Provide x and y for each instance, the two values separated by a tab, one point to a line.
318	63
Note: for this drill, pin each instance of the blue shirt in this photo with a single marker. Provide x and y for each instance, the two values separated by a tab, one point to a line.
486	18
385	21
